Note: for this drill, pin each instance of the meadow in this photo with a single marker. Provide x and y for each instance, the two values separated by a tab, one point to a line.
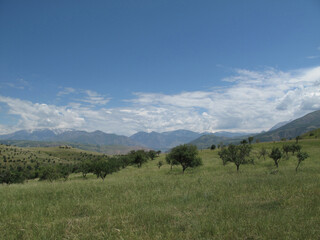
209	202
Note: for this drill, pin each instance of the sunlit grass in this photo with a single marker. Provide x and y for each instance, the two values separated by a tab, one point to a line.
210	202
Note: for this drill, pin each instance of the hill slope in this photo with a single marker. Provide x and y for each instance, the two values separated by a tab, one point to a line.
295	128
166	140
71	136
209	202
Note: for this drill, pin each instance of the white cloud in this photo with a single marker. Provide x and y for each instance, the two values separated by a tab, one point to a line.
66	91
255	101
94	98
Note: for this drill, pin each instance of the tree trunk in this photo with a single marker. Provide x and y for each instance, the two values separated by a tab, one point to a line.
238	168
297	166
276	163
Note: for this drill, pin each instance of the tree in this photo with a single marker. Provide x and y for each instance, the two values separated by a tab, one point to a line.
9	176
103	167
298	138
171	161
237	154
263	153
160	163
152	154
244	141
65	171
301	157
213	147
186	155
286	149
276	155
138	157
295	148
85	167
49	173
250	139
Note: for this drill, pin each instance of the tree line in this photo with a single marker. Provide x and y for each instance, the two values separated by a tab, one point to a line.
100	165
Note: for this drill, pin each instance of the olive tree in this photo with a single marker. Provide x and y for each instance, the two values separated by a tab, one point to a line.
276	155
301	157
186	155
237	154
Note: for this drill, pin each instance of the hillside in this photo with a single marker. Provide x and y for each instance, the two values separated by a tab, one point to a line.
71	136
206	141
209	202
314	134
166	140
288	131
107	149
294	128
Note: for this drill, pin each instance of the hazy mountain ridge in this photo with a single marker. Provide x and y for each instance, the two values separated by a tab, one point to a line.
292	129
281	130
166	140
72	136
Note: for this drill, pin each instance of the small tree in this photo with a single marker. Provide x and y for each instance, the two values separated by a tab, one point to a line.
186	155
244	141
298	138
213	147
276	155
171	161
65	171
152	154
237	154
49	173
301	157
85	167
286	149
160	163
295	148
250	139
263	153
138	157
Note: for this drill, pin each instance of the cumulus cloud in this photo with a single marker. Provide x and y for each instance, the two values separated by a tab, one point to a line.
255	101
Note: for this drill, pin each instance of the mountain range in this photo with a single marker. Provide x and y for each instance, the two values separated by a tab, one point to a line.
161	141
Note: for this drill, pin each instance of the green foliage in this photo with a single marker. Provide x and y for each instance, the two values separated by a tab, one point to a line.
160	163
276	155
49	173
263	153
237	154
186	155
171	161
102	167
138	157
301	157
250	139
152	154
213	147
297	139
295	148
10	176
286	148
85	167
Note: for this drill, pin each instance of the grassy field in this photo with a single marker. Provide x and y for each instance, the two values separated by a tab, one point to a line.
210	202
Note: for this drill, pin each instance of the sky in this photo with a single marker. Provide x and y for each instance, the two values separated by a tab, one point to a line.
128	66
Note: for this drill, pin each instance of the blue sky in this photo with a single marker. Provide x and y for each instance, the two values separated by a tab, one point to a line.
128	66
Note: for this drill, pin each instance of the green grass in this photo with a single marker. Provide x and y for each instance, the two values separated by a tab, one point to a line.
210	202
